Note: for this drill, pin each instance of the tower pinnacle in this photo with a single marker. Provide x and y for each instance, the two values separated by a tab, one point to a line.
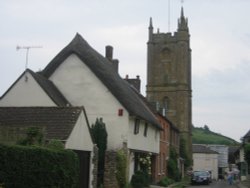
182	22
182	12
150	30
150	23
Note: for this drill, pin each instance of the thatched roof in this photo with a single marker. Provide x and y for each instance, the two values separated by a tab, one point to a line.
103	69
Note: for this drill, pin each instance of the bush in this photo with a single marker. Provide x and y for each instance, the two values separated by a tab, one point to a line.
55	145
165	182
121	166
140	180
34	136
23	166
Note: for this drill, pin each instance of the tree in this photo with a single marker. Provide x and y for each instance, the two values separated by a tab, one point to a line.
100	135
247	153
206	128
34	136
173	171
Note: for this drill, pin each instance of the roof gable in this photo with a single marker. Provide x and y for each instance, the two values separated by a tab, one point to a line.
47	86
102	68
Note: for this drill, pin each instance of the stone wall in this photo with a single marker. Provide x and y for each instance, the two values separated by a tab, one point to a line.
95	166
110	180
110	169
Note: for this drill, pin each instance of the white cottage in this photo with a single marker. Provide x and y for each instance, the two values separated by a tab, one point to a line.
205	159
80	76
85	77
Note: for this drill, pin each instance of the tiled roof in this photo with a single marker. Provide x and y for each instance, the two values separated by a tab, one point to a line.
101	67
197	148
56	122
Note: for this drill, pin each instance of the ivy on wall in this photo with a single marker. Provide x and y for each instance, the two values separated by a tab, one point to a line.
121	168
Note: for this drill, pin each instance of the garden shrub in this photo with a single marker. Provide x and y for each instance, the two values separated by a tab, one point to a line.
165	182
34	136
55	145
140	179
23	167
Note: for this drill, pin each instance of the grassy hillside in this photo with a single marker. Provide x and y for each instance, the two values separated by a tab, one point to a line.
205	136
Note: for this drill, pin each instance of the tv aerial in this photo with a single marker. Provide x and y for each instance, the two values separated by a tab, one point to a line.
27	48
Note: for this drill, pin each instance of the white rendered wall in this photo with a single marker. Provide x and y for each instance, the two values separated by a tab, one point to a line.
82	88
80	138
150	143
26	93
209	162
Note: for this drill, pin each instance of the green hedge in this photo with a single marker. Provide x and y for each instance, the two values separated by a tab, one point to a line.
23	167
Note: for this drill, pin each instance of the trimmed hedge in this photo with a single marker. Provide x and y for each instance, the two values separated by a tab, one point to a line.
34	167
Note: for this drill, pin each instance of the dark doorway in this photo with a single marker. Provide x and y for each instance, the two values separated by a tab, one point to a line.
84	162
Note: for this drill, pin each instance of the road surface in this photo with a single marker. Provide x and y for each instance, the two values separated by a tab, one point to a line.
215	184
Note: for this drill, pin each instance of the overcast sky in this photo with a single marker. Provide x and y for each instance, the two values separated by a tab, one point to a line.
220	42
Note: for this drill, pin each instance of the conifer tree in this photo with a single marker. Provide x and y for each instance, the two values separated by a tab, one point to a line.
100	135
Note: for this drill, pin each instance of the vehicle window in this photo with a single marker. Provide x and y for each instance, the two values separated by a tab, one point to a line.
200	173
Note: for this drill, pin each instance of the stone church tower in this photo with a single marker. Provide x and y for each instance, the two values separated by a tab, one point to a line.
169	77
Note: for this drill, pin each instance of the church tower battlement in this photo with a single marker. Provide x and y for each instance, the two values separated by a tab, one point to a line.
169	76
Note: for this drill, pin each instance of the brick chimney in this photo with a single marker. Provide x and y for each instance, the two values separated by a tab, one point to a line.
109	53
135	82
109	56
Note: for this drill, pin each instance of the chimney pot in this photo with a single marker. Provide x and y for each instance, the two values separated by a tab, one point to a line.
109	52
